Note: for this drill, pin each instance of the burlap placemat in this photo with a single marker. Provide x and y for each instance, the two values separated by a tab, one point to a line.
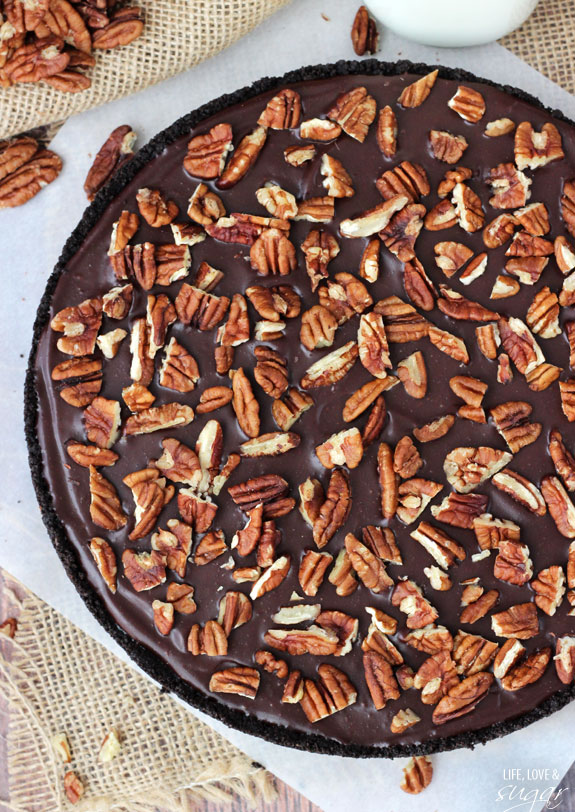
54	678
546	41
178	34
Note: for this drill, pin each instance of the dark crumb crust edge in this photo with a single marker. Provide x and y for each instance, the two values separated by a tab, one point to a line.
149	662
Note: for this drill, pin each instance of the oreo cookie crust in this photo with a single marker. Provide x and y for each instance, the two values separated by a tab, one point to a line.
361	710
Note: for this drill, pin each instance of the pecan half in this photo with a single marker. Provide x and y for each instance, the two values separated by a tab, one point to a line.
114	153
354	111
446	146
78	380
466	468
520	489
240	680
416	93
105	506
463	698
387	131
105	559
334	511
283	111
560	505
527	672
245	404
243	158
364	35
388	481
380	679
144	570
535	149
417	774
370	570
312	570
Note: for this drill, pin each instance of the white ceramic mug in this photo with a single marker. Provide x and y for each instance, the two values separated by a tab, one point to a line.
452	23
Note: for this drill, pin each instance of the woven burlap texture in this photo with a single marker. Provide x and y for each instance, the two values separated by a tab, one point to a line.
546	41
178	34
55	678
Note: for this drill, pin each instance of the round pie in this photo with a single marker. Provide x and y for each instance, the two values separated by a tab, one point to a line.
299	409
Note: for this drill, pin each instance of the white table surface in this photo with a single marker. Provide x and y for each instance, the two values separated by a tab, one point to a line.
30	241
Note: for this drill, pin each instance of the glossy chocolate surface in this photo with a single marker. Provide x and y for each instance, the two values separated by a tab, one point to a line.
89	274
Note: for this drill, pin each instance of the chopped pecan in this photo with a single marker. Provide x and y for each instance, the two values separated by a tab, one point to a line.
463	698
510	191
434	430
405	179
343	448
472	653
319	248
144	570
535	149
438	544
243	158
414	496
269	489
456	306
564	254
354	111
271	664
403	719
565	659
387	131
342	575
181	596
294	688
381	542
504	287
520	489
436	677
86	455
438	579
105	506
277	201
442	215
388	481
137	397
369	265
402	321
430	639
416	93
511	421
235	609
400	234
334	511
460	509
568	206
283	111
372	344
370	570
418	285
563	460
466	468
273	253
150	495
499	230
288	410
449	344
73	787
102	422
504	371
499	127
380	679
560	505
80	325
491	533
362	399
549	588
373	220
78	380
527	672
409	598
406	458
210	640
468	208
338	181
245	404
314	640
446	146
240	680
527	269
158	418
375	422
163	616
155	209
212	545
105	559
513	564
567	391
200	309
451	178
270	445
272	577
332	367
451	256
507	656
319	129
519	621
205	207
468	103
312	571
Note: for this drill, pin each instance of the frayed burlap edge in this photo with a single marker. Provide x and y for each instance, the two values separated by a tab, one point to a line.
54	678
178	34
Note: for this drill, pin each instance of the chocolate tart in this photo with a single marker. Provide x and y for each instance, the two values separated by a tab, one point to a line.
400	513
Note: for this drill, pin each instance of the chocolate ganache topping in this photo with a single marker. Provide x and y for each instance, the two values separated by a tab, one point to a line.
304	405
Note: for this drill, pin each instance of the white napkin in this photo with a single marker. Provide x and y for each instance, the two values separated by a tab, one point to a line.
31	238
